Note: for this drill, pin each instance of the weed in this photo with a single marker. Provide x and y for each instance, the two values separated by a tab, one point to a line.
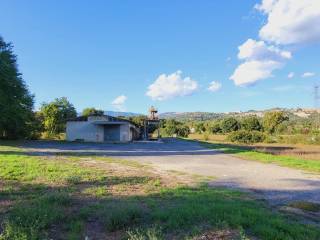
153	233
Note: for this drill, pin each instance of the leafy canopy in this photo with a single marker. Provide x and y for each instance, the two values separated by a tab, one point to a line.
272	120
91	111
229	125
55	115
251	123
16	102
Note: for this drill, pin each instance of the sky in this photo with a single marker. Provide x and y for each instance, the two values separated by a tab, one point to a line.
215	56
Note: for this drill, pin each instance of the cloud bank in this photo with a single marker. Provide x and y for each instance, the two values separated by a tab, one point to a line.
170	86
260	60
288	22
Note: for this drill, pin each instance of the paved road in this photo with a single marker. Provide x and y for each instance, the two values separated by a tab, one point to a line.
269	181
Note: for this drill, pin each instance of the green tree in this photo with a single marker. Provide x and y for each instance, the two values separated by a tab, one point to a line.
171	127
16	103
271	120
215	127
251	123
183	131
55	115
200	127
229	124
91	111
138	120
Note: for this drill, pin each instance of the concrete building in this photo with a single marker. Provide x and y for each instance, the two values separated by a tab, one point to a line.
101	129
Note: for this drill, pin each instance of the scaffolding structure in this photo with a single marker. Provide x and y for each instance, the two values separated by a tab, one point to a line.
153	122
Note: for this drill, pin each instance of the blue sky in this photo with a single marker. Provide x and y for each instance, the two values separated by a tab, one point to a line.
129	55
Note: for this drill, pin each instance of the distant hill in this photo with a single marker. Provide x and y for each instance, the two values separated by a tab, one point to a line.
122	114
202	116
185	116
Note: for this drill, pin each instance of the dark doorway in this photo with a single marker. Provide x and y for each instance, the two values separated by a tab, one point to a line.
112	133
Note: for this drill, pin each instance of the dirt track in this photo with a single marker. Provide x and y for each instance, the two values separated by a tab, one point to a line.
269	181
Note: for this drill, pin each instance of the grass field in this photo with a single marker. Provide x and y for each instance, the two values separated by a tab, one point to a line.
70	197
252	154
302	151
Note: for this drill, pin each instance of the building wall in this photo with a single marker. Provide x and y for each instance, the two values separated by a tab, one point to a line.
125	133
85	131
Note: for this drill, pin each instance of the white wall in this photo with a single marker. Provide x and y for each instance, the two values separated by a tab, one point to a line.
89	132
84	130
125	133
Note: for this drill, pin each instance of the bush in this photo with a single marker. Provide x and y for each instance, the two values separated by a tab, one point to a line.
251	123
229	125
215	128
183	131
244	136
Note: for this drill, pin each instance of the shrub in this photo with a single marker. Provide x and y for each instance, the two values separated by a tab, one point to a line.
200	127
251	123
244	136
229	125
183	131
215	128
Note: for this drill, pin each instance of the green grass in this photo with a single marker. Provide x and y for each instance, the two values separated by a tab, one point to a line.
306	206
249	154
58	198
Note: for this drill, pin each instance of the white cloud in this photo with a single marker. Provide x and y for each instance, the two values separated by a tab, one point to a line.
291	75
118	102
214	86
258	50
308	74
266	5
260	60
290	21
170	86
250	72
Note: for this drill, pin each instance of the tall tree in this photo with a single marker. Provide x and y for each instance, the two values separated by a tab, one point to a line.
271	120
55	115
16	102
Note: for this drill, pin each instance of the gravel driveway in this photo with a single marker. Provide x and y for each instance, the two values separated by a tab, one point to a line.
269	181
